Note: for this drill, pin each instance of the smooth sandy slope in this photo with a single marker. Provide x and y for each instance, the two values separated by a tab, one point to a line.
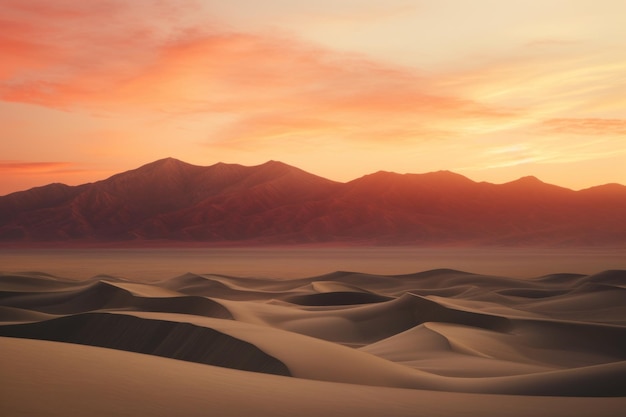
435	343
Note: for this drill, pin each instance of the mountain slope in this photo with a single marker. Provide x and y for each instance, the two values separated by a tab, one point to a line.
277	203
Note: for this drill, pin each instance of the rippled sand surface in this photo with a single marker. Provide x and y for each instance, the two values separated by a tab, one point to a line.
438	342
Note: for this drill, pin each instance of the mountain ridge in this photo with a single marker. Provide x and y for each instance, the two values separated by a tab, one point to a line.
275	203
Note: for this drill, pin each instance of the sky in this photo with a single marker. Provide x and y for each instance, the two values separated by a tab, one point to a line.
491	89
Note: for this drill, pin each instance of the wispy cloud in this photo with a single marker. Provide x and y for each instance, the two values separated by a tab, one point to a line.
586	126
513	155
36	168
21	175
552	42
274	85
545	150
545	84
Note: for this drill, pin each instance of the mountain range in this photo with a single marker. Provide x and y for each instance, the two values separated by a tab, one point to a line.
274	203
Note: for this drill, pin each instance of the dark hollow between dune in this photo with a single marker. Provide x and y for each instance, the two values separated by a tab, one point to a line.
173	340
337	298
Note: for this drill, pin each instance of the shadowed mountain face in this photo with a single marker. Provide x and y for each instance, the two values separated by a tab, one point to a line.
275	203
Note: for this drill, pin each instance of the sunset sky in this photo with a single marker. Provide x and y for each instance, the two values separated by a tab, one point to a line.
491	89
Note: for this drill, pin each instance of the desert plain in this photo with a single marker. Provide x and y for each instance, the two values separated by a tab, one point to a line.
221	340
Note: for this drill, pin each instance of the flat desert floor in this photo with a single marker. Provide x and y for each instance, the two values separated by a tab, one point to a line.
440	342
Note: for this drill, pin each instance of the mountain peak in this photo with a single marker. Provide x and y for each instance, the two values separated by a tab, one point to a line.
529	180
606	189
276	165
378	177
383	174
168	162
447	176
163	173
531	183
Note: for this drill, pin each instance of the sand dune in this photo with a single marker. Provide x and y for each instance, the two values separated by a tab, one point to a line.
104	382
408	344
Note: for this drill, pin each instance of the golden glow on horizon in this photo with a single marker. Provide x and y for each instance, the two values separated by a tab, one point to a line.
340	89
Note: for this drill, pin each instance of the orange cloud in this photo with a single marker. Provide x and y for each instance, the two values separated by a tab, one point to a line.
21	175
65	53
587	126
276	86
106	55
35	168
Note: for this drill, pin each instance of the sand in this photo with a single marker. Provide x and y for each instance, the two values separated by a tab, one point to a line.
436	343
